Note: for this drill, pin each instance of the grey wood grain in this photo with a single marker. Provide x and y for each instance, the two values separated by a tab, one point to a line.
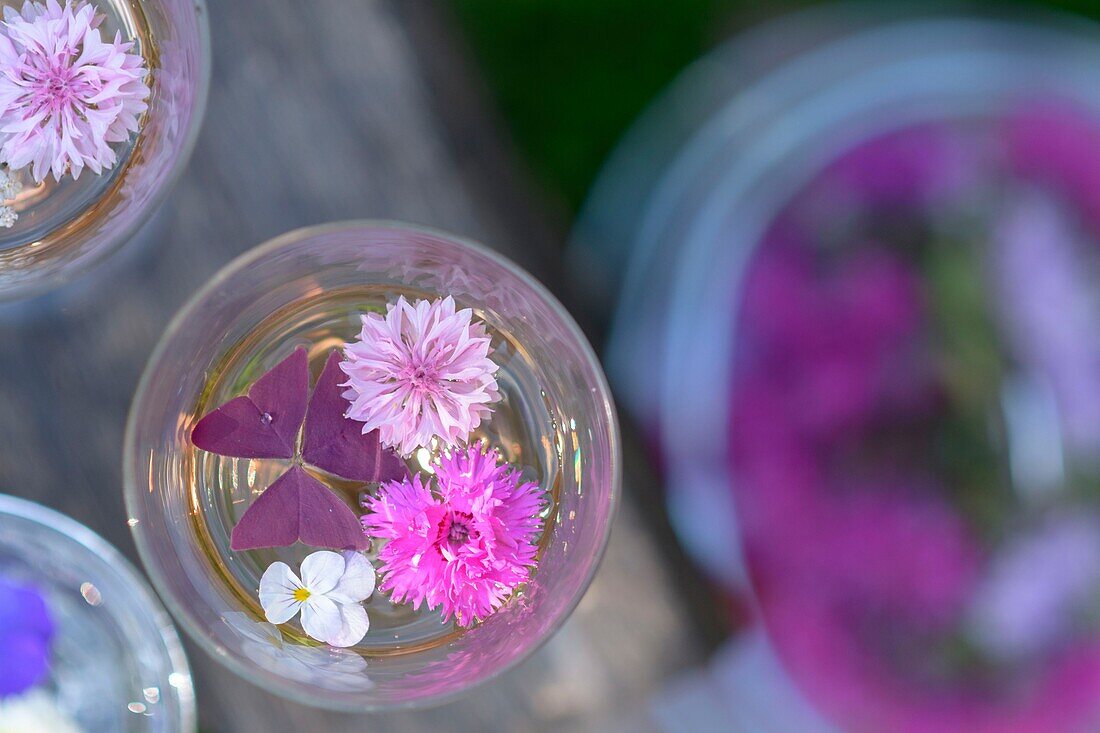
320	111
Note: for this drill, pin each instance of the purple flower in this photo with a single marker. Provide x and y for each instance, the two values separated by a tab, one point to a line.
26	630
912	167
465	547
422	371
1038	584
871	561
1058	146
65	94
1051	309
833	347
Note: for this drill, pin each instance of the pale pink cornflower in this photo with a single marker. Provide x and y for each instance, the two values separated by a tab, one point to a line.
464	547
66	95
421	371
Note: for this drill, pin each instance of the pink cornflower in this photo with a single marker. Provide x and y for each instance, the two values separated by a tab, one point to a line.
422	371
65	94
463	548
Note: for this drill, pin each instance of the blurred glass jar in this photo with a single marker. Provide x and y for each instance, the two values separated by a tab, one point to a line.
66	227
116	663
866	276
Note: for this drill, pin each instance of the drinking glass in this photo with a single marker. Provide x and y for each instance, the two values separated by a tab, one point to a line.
825	176
305	289
116	662
66	227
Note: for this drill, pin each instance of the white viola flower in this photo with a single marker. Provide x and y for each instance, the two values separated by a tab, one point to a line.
328	595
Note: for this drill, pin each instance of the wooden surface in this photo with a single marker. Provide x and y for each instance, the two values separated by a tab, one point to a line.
323	111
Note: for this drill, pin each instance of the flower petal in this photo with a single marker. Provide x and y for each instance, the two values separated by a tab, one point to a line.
357	582
321	571
277	588
421	371
321	618
105	90
463	548
353	625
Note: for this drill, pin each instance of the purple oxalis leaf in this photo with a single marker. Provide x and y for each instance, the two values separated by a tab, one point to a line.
265	423
298	507
336	443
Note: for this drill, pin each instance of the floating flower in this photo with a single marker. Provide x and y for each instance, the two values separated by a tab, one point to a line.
35	711
65	94
422	371
26	630
464	548
328	595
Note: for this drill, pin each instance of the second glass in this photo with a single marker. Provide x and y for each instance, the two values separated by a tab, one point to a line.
64	227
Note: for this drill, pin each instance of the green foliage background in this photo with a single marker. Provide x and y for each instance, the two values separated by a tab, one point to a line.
571	75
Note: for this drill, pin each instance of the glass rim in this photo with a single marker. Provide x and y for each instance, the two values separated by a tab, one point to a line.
687	198
133	503
202	93
89	540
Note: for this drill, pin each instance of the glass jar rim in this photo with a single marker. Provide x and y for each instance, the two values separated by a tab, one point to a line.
132	493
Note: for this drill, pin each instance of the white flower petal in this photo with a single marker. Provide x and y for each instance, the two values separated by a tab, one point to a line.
353	625
281	610
357	582
321	618
321	571
277	588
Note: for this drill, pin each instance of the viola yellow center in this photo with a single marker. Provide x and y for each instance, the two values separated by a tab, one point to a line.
301	594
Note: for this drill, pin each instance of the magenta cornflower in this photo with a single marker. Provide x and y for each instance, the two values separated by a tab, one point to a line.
421	371
66	95
463	547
